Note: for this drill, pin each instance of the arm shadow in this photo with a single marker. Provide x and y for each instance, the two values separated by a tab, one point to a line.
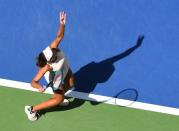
93	73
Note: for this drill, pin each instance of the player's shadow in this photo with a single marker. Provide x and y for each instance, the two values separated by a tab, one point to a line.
93	73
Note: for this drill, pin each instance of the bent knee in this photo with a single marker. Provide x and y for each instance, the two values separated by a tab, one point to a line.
58	99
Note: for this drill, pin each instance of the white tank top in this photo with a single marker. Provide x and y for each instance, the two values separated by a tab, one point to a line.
60	65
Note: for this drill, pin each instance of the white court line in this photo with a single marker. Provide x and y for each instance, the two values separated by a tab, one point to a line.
98	98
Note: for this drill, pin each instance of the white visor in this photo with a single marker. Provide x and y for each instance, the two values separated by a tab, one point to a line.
47	53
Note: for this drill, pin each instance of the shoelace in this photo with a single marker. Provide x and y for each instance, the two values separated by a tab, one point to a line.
37	114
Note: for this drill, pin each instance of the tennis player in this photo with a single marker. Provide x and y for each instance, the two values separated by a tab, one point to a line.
54	67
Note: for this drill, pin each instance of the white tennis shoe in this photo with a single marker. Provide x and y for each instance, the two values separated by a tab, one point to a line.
31	115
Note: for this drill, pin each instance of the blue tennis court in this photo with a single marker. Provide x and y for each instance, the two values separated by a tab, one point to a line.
101	44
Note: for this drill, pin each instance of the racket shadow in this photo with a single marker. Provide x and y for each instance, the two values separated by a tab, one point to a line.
123	98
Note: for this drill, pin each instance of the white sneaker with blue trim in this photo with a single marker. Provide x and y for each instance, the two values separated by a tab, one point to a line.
31	115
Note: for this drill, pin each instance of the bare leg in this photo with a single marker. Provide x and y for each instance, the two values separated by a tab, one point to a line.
55	100
57	97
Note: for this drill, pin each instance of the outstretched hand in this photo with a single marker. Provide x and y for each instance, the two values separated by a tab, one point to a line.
140	40
62	17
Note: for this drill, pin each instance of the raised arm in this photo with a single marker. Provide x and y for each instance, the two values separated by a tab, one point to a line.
61	31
